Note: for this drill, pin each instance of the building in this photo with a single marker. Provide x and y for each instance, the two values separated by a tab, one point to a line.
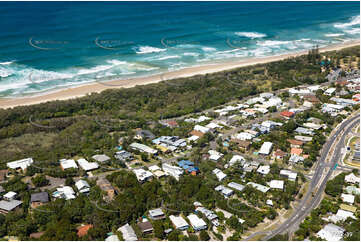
123	155
302	130
173	171
295	143
330	91
264	170
352	178
269	202
277	184
287	114
296	151
8	206
214	155
244	136
86	165
82	186
289	174
201	129
83	230
279	154
20	164
226	192
128	233
101	158
10	196
208	213
142	175
143	148
353	190
144	134
197	223
39	199
341	215
331	232
106	186
259	187
348	198
235	159
67	164
145	227
156	214
219	174
266	148
65	192
242	144
303	138
296	159
236	186
179	222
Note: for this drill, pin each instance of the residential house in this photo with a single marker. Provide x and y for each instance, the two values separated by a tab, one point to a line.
289	174
277	184
296	151
83	230
169	123
197	223
201	129
295	143
219	174
235	159
86	165
330	91
259	187
20	164
67	164
123	155
128	233
82	186
8	206
146	227
331	232
101	158
156	214
142	175
287	114
214	155
179	222
106	186
352	178
65	192
266	148
39	199
236	186
143	148
242	144
144	134
10	196
264	170
348	198
302	130
226	192
173	171
279	154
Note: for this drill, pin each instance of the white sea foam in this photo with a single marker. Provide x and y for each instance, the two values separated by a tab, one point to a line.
148	49
169	57
191	54
354	21
272	43
251	35
352	31
206	49
334	35
6	63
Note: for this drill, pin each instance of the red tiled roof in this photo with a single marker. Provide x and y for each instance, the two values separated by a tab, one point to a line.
83	230
295	142
287	114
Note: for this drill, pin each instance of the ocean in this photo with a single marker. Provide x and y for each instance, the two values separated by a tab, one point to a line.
46	46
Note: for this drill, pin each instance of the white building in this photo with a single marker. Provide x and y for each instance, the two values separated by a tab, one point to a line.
213	126
244	136
348	198
351	178
269	202
224	190
236	186
23	164
214	155
201	129
65	192
277	184
143	148
86	165
289	174
219	174
179	222
330	91
331	232
235	159
259	187
82	186
173	171
197	223
266	148
264	170
128	233
341	215
154	168
67	164
142	175
10	196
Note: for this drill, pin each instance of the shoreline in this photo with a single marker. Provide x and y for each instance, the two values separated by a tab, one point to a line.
96	87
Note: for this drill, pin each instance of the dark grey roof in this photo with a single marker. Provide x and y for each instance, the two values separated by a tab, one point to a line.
40	197
9	205
146	134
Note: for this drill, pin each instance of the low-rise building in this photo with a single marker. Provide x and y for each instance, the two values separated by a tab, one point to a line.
156	214
352	178
124	155
197	223
8	206
266	148
143	148
10	196
277	184
331	232
20	164
65	192
128	233
146	227
214	155
82	186
67	164
226	192
179	222
259	187
219	174
101	158
107	187
39	199
289	174
173	171
86	165
236	186
348	198
264	170
142	175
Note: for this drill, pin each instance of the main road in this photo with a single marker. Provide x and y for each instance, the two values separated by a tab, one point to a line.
318	182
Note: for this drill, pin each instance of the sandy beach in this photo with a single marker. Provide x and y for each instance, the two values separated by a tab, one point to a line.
97	87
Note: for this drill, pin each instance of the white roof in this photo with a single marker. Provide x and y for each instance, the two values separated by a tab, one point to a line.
220	175
290	174
278	184
128	233
143	148
331	232
81	184
236	186
23	164
10	195
264	169
196	222
341	215
259	187
330	90
101	158
86	165
65	192
244	136
235	159
269	202
156	212
173	171
348	198
213	126
351	178
142	174
66	164
154	168
201	128
214	155
178	221
266	148
113	237
193	138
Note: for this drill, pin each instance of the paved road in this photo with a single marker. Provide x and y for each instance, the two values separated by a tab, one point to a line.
318	181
